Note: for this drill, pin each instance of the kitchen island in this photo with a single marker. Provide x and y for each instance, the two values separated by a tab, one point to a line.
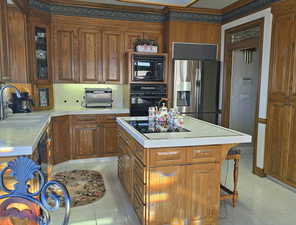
173	178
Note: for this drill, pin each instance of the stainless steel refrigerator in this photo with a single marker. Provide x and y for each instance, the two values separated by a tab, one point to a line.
196	88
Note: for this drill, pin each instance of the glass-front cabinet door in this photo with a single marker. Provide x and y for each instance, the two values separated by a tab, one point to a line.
40	63
43	97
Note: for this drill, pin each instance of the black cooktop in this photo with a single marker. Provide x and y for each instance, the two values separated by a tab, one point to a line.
145	126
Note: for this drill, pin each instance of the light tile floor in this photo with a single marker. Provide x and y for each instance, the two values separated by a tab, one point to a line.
262	202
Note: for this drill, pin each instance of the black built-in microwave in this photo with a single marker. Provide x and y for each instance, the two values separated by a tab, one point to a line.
148	68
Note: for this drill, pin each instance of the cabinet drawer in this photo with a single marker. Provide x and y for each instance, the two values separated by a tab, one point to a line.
139	208
140	171
204	154
166	157
84	118
140	189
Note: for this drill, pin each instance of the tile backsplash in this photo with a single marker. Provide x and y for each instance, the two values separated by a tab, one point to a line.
66	95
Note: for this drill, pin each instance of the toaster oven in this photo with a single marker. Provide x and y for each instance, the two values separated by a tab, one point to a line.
98	98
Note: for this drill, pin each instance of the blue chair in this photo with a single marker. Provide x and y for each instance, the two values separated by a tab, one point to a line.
39	204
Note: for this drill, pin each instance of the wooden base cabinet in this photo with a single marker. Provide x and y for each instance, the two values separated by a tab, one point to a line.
172	185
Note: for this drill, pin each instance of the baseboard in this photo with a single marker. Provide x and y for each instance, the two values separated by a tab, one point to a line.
259	172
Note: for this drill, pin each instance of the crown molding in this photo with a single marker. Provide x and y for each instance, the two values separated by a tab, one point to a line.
236	5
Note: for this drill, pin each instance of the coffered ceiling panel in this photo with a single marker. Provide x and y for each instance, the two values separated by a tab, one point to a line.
212	4
179	3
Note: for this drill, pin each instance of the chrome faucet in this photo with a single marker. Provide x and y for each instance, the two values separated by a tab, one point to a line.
3	114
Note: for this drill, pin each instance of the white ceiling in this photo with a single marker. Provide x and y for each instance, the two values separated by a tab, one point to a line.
212	4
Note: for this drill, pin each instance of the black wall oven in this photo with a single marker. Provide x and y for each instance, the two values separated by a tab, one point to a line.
149	68
143	96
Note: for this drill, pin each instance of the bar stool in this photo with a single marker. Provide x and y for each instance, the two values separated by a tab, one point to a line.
233	154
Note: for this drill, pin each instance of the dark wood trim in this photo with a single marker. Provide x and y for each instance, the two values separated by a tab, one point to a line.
261	120
259	172
236	5
228	70
22	5
193	10
104	6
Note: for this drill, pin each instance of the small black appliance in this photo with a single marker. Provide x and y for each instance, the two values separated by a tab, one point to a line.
22	104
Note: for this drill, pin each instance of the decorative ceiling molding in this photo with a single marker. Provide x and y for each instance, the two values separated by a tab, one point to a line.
60	7
246	9
171	3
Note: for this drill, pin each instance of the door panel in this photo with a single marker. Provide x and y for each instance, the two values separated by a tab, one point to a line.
85	140
65	55
290	166
166	195
110	139
90	56
204	184
281	55
61	138
277	137
112	56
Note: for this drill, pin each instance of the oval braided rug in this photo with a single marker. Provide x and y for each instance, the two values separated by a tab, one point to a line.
84	186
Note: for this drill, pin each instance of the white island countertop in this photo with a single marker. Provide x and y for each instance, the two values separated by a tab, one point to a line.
200	133
20	133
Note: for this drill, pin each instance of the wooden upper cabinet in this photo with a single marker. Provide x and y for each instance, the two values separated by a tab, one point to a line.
90	42
17	28
130	40
204	184
155	36
4	43
40	50
65	54
113	44
283	46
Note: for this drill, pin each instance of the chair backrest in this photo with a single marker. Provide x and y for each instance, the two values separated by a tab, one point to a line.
36	207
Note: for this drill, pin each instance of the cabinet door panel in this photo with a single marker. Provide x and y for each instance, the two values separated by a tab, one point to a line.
61	137
155	36
204	186
279	115
110	139
84	137
4	43
130	40
293	61
90	56
112	56
166	195
290	166
65	55
281	56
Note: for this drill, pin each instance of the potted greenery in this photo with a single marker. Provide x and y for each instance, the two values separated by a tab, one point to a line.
145	45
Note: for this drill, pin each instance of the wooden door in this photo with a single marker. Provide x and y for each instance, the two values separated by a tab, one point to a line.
155	36
281	57
293	62
109	139
90	56
166	186
65	54
113	43
85	140
4	43
130	40
277	138
203	184
61	138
